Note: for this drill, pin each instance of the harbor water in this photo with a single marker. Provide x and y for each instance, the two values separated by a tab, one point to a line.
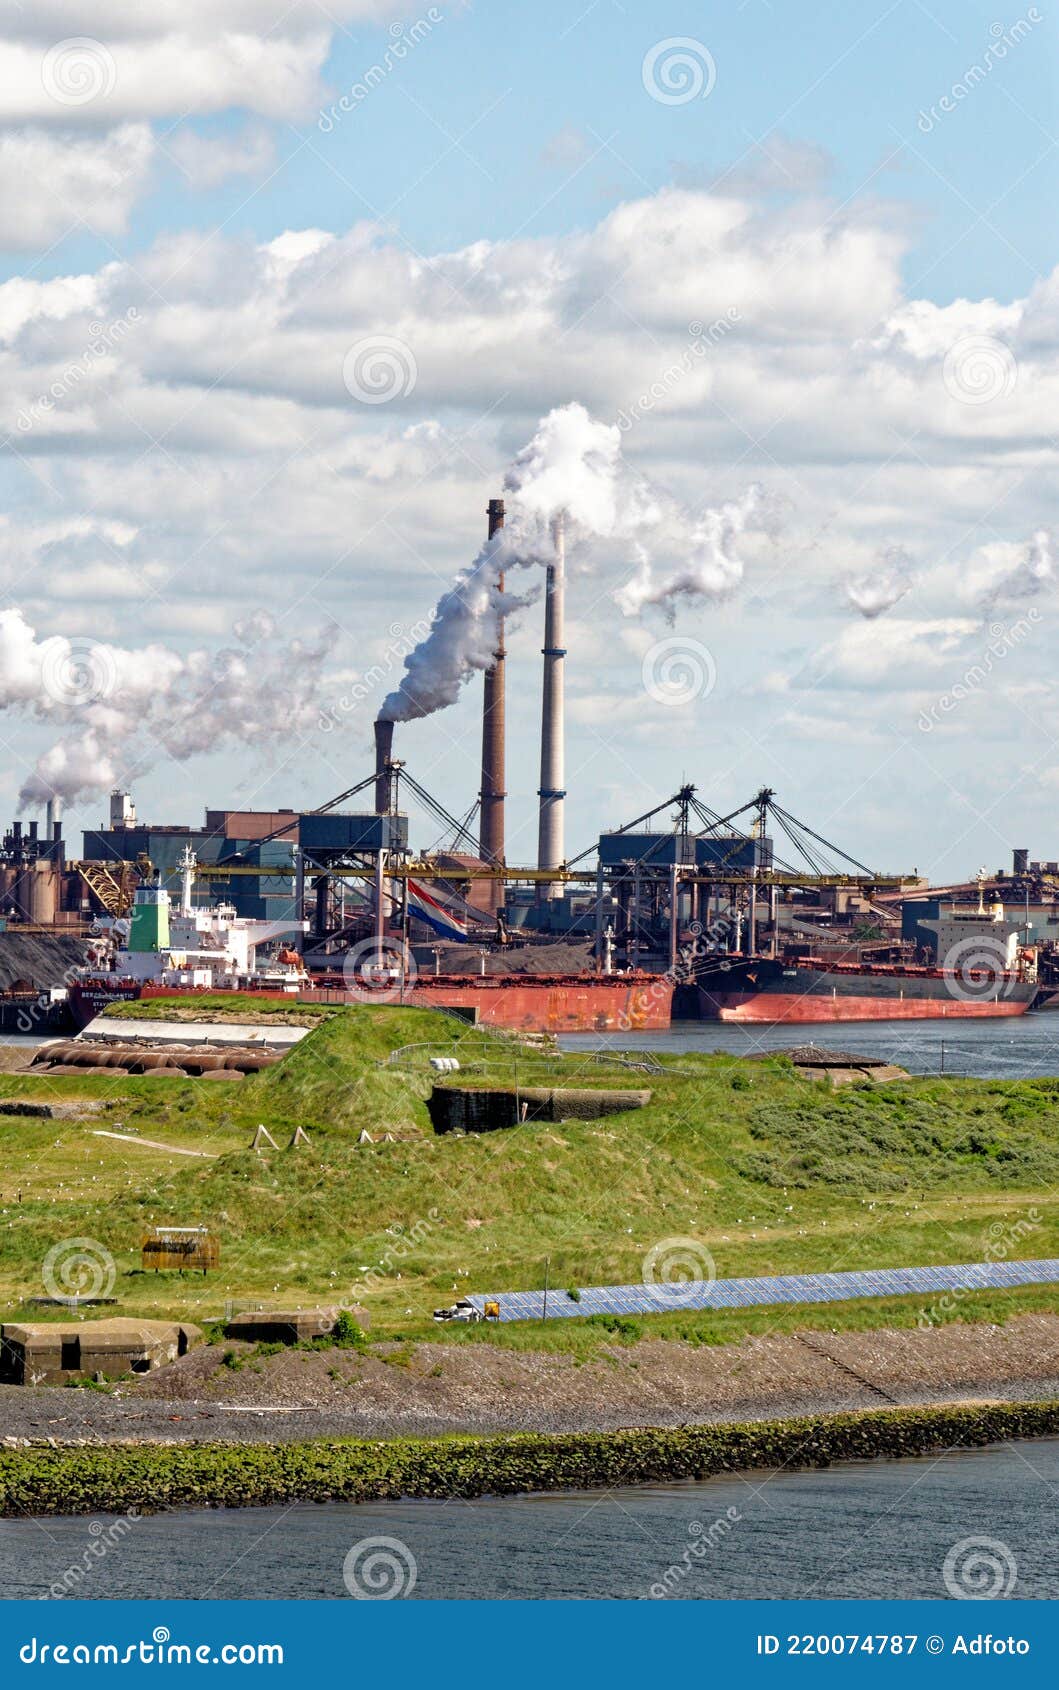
873	1529
1008	1048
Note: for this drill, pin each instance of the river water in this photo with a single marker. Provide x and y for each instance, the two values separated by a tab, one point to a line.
1009	1048
870	1529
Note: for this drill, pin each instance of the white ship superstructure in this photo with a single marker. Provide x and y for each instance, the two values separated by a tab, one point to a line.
207	947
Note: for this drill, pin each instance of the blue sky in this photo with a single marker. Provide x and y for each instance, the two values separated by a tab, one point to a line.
511	120
826	300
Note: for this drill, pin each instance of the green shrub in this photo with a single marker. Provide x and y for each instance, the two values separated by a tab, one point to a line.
348	1333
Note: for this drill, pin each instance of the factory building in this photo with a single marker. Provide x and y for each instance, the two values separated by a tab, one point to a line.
257	838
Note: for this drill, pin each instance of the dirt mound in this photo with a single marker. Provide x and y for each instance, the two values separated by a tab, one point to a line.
562	957
38	960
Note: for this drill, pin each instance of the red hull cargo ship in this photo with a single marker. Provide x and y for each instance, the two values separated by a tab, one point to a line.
538	1003
770	989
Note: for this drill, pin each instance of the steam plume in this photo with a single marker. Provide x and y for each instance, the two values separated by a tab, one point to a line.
573	465
125	709
879	589
1034	571
710	564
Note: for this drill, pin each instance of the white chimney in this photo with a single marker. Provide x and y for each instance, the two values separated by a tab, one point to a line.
122	809
551	838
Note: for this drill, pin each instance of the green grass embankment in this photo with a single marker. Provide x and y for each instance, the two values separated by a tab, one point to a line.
114	1479
770	1172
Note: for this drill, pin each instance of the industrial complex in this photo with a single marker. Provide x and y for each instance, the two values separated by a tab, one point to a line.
681	911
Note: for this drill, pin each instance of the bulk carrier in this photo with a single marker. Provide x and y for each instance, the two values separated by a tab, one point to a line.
983	971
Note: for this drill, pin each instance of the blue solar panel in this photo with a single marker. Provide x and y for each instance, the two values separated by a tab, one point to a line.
786	1288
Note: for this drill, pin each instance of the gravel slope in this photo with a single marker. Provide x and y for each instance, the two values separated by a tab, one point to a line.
478	1388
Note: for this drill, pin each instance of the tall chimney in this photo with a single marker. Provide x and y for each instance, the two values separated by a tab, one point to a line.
383	778
493	793
54	812
550	845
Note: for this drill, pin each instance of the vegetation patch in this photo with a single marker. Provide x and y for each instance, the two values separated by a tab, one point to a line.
117	1478
780	1176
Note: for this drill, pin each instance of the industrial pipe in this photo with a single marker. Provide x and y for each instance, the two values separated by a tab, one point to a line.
493	793
383	775
550	842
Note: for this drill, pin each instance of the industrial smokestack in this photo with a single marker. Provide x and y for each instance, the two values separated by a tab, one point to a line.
493	793
550	844
383	776
53	829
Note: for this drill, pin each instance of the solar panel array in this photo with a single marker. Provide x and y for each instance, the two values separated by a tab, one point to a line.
785	1288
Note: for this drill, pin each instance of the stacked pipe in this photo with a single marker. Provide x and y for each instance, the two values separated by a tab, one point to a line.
550	841
493	793
383	773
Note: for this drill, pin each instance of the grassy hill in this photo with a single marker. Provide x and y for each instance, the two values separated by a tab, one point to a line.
767	1170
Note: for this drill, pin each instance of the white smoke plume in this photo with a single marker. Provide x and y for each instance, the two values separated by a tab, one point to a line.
573	465
126	709
1034	571
709	563
462	637
879	589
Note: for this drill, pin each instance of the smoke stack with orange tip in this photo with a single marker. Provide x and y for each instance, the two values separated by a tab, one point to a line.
550	842
493	792
383	758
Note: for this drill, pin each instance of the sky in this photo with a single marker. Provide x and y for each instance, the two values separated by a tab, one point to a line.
286	288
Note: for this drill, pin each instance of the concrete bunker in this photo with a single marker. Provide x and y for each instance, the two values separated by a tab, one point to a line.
484	1110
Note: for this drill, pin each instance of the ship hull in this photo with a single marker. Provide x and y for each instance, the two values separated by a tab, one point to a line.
89	998
765	991
571	1003
775	1007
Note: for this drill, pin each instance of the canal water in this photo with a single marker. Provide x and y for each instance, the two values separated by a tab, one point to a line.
870	1529
1009	1048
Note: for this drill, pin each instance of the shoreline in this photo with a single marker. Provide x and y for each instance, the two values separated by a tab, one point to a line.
480	1389
45	1480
